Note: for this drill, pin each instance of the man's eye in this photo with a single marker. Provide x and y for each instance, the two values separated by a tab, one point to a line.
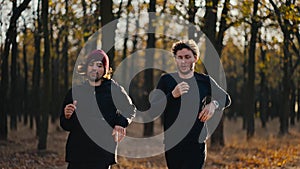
99	64
95	64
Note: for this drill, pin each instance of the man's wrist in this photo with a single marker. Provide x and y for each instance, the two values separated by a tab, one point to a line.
173	94
216	104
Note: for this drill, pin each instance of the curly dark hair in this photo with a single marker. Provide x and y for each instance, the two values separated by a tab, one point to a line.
188	44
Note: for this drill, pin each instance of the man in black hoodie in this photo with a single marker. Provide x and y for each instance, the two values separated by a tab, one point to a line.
92	112
189	100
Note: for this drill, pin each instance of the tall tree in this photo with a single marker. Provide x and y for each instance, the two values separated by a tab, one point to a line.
148	78
215	37
13	74
288	68
125	68
85	19
251	72
244	87
4	68
192	9
108	38
210	20
298	101
263	100
218	136
46	79
293	104
25	84
36	75
55	73
66	47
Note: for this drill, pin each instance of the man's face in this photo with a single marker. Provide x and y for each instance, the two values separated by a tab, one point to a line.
185	60
95	71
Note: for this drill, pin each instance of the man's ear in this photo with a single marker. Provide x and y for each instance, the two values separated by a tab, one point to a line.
196	58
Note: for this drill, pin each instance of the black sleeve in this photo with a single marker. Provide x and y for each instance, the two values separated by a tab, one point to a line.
162	95
67	124
164	80
126	110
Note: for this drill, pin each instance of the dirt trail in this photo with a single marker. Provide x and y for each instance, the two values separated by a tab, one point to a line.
265	150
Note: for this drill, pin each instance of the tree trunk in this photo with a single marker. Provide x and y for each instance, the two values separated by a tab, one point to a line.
223	28
218	137
55	103
263	99
98	14
25	86
192	9
287	68
86	34
65	49
165	43
3	98
135	42
251	73
148	79
210	20
284	114
298	111
4	68
42	145
13	74
126	67
293	103
244	88
36	106
20	93
216	39
108	38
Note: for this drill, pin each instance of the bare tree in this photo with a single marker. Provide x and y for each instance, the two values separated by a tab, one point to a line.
25	84
148	78
13	74
251	72
288	66
216	38
263	99
42	145
106	12
4	68
36	75
66	47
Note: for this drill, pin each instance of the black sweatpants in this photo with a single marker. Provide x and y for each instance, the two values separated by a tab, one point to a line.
186	156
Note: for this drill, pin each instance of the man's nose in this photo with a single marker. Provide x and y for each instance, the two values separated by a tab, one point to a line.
95	66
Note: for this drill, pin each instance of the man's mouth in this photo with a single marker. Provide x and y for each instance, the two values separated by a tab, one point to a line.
184	67
93	73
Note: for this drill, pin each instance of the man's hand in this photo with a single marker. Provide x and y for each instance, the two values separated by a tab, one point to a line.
180	89
207	112
69	109
119	133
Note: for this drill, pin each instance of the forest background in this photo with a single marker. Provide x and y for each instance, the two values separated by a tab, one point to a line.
257	43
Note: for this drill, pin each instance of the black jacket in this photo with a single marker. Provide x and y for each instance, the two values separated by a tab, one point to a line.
185	126
107	99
